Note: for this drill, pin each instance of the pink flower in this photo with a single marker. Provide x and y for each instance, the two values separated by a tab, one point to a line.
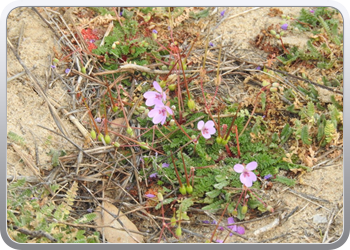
207	129
247	176
159	114
155	97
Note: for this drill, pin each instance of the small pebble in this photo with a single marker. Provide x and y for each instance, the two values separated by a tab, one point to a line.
319	218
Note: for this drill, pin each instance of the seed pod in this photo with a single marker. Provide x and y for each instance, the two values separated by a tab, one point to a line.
269	208
278	36
182	190
219	140
116	144
244	209
265	83
164	67
172	87
172	122
130	131
93	134
143	145
160	197
178	231
100	137
273	89
83	70
191	104
173	221
273	32
189	189
107	139
115	109
234	212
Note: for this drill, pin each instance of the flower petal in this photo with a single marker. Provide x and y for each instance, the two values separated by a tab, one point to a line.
200	125
240	230
206	136
153	112
149	94
230	220
211	130
252	176
169	110
238	167
157	119
157	87
209	124
251	165
246	180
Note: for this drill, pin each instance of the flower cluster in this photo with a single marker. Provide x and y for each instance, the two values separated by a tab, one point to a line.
157	98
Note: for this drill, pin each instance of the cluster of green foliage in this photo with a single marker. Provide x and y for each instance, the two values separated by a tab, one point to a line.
27	210
321	22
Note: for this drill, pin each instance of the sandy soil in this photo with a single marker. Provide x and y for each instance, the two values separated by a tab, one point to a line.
26	109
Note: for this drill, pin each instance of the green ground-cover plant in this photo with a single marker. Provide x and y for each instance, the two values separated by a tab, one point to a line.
197	154
31	218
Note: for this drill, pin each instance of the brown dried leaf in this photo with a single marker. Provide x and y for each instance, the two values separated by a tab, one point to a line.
114	235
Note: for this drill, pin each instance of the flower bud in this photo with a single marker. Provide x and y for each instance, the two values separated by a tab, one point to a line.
207	157
93	134
178	231
282	33
83	70
189	189
114	45
100	137
182	190
144	145
107	139
162	83
130	131
172	87
224	142
172	122
154	35
160	197
191	104
265	83
244	209
269	208
273	32
273	89
219	140
278	36
234	212
173	221
115	108
55	60
173	107
275	84
116	144
164	67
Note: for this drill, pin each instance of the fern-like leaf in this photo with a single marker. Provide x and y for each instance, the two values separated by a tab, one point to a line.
305	135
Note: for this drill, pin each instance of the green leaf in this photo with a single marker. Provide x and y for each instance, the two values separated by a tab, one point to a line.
221	184
214	206
86	218
285	180
166	201
305	135
214	193
286	133
15	138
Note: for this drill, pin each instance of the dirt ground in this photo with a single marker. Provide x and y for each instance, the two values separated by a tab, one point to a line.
26	110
